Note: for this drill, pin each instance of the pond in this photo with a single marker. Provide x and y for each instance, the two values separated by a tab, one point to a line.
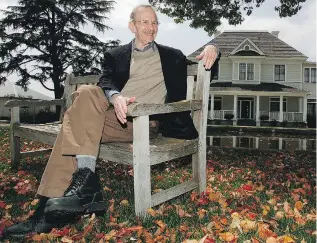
268	142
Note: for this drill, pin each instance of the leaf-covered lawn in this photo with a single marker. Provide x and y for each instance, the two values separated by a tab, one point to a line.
251	196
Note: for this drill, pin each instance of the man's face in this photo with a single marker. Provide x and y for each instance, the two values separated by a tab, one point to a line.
144	26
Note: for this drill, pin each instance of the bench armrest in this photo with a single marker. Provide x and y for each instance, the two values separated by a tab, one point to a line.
19	103
152	109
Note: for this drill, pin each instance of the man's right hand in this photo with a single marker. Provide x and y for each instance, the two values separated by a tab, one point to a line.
120	104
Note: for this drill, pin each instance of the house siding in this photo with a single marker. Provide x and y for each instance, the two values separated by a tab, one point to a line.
225	71
293	73
266	73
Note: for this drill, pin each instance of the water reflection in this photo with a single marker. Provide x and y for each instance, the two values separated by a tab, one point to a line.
275	143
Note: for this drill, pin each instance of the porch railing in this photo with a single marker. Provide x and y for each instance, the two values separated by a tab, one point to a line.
287	116
220	114
293	116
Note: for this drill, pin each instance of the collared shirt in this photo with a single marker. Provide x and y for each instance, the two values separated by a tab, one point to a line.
147	47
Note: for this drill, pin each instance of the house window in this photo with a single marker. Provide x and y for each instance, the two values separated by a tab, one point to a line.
279	72
275	104
217	103
310	75
246	71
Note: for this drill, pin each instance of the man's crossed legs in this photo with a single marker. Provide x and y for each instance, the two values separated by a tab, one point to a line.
69	187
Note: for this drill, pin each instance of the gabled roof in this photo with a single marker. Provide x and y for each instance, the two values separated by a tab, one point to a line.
268	43
9	89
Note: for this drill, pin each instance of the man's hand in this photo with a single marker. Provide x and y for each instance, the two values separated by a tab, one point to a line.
120	104
208	55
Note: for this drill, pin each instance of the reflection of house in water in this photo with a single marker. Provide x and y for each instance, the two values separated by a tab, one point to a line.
264	143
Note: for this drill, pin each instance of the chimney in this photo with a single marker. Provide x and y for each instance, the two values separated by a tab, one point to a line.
275	33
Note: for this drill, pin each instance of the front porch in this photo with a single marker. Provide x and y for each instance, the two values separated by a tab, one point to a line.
260	106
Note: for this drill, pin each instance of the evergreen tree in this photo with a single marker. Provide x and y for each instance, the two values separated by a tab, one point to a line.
40	39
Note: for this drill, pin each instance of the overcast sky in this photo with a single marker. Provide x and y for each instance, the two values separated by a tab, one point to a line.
298	31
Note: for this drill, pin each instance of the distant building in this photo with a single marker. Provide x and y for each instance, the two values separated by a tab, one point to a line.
10	91
261	77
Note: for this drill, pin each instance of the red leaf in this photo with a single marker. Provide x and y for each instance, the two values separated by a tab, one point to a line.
247	187
2	204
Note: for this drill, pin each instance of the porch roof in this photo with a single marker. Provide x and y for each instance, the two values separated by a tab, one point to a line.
263	87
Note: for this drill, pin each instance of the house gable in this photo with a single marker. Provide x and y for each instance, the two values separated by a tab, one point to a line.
247	47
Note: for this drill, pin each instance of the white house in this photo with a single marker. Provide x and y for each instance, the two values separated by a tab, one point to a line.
9	90
261	76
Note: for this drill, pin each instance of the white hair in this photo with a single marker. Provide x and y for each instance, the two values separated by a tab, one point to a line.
135	9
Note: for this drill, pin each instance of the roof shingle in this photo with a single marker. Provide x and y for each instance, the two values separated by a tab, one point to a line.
271	45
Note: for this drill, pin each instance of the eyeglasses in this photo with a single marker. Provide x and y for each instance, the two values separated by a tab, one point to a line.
147	22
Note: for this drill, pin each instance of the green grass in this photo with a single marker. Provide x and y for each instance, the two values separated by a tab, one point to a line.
242	181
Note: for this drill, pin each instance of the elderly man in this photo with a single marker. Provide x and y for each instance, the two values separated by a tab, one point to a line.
141	71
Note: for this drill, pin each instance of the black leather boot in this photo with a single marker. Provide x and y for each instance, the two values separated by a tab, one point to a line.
36	223
84	195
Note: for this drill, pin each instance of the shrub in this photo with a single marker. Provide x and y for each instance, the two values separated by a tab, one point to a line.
273	123
284	123
264	117
229	116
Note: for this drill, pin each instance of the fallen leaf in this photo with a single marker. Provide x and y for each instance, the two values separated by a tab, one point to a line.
124	203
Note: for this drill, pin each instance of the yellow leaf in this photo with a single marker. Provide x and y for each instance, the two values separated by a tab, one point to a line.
34	202
124	203
248	225
201	213
151	212
299	205
272	201
288	239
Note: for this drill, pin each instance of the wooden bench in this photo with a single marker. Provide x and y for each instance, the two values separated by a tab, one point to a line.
144	152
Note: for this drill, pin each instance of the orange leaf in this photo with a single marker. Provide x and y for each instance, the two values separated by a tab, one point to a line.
227	236
151	212
271	240
160	223
265	232
299	205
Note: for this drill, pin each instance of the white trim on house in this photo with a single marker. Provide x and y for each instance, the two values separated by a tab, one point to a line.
232	70
274	72
255	48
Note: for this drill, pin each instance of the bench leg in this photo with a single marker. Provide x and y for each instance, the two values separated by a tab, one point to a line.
15	151
141	165
199	169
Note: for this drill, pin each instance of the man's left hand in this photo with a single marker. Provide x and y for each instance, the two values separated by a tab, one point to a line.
208	55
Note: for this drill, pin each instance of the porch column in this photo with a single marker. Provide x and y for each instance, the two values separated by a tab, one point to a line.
257	113
305	109
281	108
234	141
304	144
235	107
211	140
257	142
211	114
280	143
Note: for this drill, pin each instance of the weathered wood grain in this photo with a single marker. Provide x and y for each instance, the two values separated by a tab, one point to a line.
172	192
151	109
141	165
19	103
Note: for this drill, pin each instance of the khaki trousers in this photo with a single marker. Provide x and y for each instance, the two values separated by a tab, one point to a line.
87	122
